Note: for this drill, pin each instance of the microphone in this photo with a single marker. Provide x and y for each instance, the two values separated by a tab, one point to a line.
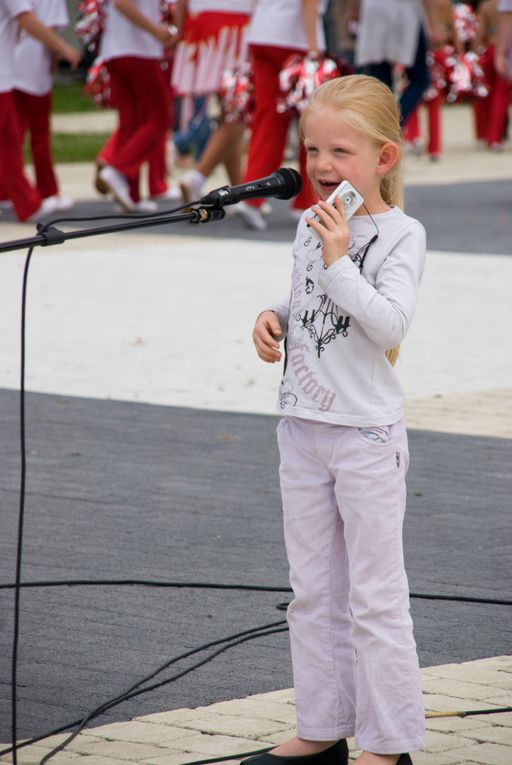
284	183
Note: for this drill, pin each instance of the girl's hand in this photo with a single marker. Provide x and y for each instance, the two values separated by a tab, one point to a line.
332	229
264	334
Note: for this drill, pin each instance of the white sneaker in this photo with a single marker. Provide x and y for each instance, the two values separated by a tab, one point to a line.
142	206
251	216
118	186
191	186
47	207
172	194
63	202
145	206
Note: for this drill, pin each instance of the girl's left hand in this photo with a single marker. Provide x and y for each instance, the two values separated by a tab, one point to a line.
332	229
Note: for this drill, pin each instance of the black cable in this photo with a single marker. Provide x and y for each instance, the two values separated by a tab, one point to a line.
115	216
21	515
220	586
232	640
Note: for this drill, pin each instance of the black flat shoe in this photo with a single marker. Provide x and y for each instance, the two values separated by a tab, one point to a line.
335	755
405	759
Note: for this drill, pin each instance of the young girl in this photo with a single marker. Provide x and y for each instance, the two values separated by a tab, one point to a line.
342	440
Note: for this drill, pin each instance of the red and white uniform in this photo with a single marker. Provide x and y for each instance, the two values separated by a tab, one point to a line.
276	31
32	94
213	41
139	90
25	198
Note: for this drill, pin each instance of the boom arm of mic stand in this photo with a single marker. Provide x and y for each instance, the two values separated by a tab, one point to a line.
48	235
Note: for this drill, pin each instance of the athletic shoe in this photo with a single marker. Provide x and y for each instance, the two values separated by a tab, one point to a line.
172	194
251	216
118	186
47	207
63	202
142	206
6	204
191	186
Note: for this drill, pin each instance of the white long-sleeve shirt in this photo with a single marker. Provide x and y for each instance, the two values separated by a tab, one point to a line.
339	321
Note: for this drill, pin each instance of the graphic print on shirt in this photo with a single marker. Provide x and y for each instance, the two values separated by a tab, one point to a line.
326	322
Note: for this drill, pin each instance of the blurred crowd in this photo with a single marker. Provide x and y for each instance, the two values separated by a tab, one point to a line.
198	83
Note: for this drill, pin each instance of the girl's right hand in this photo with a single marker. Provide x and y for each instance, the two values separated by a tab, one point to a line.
264	334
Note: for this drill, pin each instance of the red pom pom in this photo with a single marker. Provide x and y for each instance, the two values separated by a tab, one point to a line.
237	94
302	75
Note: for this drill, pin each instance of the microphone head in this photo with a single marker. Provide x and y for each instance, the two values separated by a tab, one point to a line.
291	180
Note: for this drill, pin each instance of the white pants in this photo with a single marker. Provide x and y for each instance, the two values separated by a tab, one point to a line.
355	665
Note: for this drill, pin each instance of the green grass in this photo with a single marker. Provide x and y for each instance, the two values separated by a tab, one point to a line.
70	97
75	147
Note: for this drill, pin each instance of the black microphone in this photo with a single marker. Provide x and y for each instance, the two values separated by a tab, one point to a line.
284	183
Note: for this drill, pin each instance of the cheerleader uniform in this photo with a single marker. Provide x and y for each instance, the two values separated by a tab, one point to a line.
276	32
25	198
140	93
33	95
213	40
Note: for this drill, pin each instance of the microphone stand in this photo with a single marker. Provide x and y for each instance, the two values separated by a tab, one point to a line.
48	234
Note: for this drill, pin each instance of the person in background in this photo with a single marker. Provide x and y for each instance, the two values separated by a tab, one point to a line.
213	41
396	32
491	112
132	46
33	66
18	16
446	35
503	54
278	29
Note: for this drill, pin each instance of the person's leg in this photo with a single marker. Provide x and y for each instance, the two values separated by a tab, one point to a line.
25	198
269	128
323	655
435	135
36	111
371	493
499	103
383	71
224	143
418	79
144	117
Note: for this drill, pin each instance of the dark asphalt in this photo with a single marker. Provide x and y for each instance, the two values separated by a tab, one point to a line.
124	490
471	218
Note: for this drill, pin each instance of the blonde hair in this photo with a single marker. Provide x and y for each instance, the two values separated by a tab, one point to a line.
369	106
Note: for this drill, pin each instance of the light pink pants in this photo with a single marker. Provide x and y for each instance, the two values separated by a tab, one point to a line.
355	665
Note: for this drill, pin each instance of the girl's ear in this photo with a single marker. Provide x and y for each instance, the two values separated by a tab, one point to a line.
388	157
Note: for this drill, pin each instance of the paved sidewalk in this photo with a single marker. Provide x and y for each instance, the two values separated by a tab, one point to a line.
263	720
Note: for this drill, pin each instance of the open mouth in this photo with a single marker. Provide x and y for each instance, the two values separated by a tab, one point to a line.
328	186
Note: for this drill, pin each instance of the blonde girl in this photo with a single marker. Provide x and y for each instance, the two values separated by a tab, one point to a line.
342	439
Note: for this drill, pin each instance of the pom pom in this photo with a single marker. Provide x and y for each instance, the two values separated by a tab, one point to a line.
90	23
98	84
237	94
466	21
302	75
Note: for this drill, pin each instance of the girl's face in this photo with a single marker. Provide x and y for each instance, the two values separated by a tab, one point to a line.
337	152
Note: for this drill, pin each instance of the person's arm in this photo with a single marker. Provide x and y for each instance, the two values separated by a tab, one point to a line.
160	31
503	50
310	20
431	18
29	22
180	15
266	335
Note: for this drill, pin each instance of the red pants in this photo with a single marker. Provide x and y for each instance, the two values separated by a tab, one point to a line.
25	198
412	129
34	116
491	112
270	129
141	95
